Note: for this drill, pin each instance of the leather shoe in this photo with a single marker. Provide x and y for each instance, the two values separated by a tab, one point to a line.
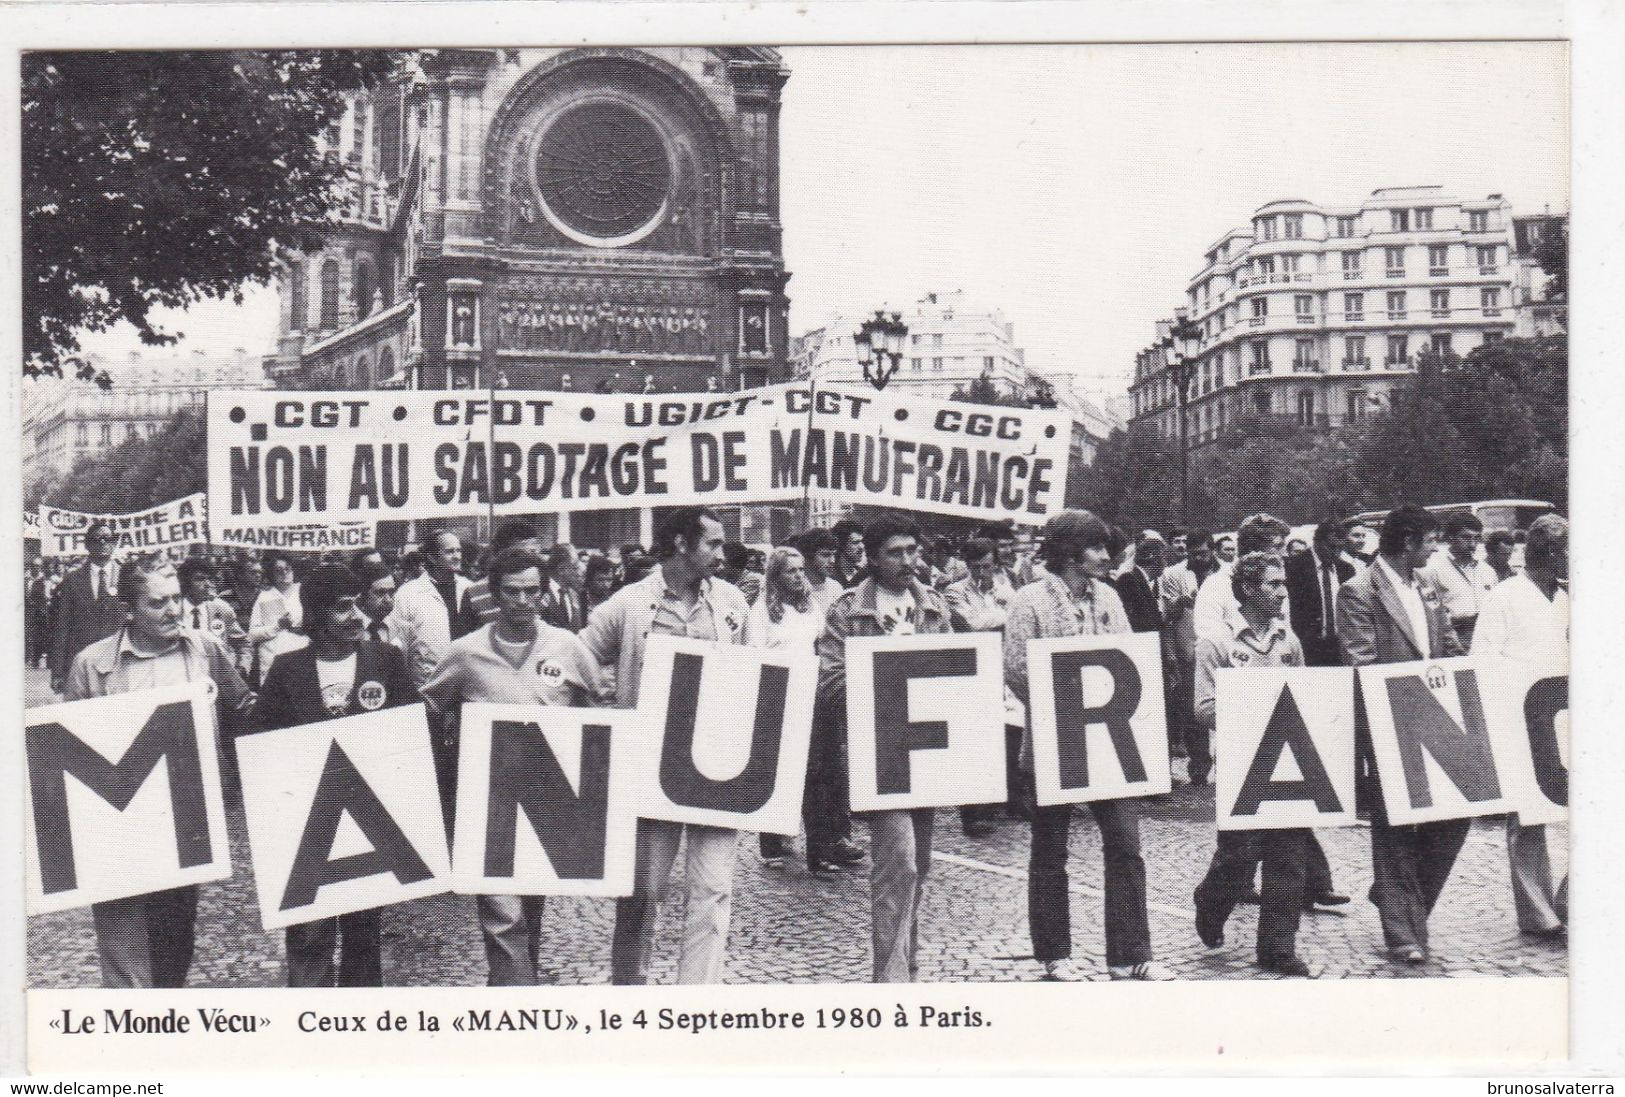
978	828
819	866
1289	966
1324	899
846	852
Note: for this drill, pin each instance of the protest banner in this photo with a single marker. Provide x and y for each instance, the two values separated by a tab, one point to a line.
1431	739
1530	732
545	801
143	810
343	815
345	537
727	731
282	458
31	525
1283	745
179	522
1099	725
925	721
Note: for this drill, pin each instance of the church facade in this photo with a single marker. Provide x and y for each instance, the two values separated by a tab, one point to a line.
594	219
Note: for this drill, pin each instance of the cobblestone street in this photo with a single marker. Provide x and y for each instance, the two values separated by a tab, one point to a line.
790	927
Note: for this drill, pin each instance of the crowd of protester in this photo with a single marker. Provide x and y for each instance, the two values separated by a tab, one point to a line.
448	625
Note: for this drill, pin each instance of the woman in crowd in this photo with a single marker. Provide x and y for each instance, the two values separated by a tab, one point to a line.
785	616
276	623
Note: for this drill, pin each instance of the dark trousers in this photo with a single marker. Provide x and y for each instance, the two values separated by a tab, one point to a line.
146	940
1194	732
1284	854
1049	909
355	937
825	809
444	748
1317	870
1409	868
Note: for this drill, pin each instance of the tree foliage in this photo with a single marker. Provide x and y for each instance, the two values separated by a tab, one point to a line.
1491	425
139	472
162	178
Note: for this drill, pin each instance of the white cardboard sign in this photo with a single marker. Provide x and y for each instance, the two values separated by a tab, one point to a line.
545	800
343	815
1099	723
925	721
123	797
727	730
1283	748
1431	738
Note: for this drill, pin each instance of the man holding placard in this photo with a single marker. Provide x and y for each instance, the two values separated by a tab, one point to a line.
890	601
516	659
680	596
340	672
146	940
1072	598
1259	583
1391	613
1526	618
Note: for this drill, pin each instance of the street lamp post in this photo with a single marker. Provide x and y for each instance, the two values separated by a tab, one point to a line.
880	347
1180	344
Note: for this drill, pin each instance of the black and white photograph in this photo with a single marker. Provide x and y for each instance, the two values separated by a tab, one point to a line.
560	516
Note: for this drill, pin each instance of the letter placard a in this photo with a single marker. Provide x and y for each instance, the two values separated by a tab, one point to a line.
343	815
1283	742
123	797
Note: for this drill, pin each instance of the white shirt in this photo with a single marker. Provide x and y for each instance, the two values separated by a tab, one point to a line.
1410	595
104	579
796	629
1217	613
896	611
1463	585
825	593
1517	621
265	624
336	677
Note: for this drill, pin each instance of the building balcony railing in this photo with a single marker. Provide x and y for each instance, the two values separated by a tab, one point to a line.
1396	314
1438	272
1356	365
1305	365
1306	318
1395	272
1490	269
1257	321
1492	311
1397	363
1439	313
1258	366
1353	317
1353	275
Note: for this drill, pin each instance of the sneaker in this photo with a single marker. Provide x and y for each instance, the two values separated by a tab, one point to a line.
1063	971
822	867
846	852
1149	972
1289	966
1412	955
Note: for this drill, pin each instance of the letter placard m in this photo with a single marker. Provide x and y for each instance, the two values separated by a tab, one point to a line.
123	797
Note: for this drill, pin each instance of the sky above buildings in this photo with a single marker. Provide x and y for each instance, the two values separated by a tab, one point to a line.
1076	187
